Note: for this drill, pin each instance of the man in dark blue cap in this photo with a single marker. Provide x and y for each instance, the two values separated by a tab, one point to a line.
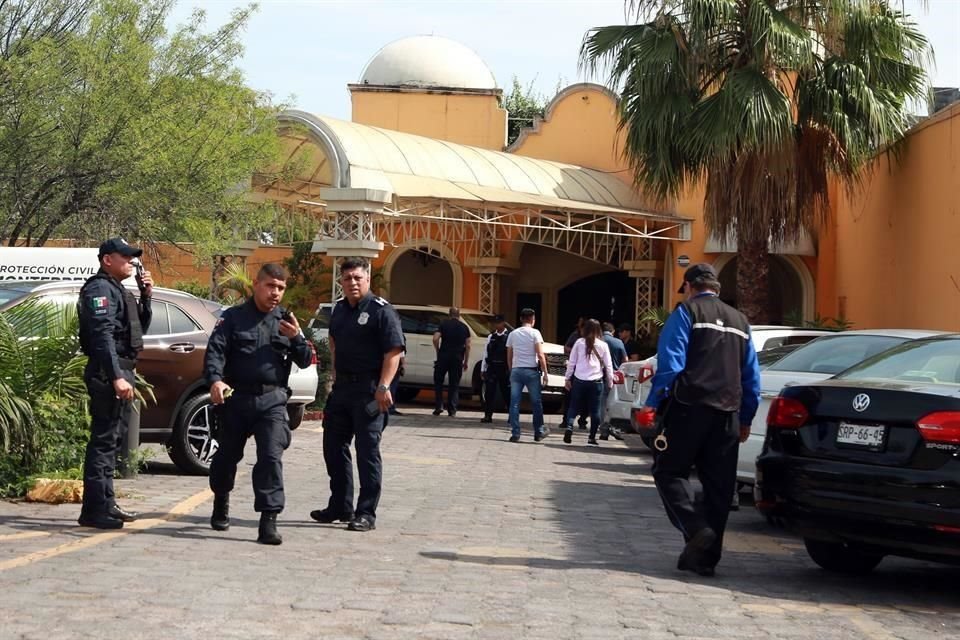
706	392
112	324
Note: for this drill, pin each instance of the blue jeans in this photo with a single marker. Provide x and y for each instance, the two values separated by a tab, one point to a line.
585	396
529	378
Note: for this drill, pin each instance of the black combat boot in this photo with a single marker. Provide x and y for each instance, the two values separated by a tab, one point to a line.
220	520
268	528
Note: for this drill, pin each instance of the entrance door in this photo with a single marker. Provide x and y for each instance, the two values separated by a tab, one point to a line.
533	301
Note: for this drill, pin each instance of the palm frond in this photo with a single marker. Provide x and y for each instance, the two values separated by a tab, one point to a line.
235	278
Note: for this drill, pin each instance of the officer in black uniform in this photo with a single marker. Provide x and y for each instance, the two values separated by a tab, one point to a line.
366	341
493	368
247	365
706	390
112	324
452	343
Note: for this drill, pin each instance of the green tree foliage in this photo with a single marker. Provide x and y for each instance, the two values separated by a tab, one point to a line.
310	282
524	106
764	100
111	124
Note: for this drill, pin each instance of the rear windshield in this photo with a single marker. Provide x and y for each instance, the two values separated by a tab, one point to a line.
936	361
833	354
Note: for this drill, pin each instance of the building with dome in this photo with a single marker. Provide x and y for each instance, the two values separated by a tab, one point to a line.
420	180
433	87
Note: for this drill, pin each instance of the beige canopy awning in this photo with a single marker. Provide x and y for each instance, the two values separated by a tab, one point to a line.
411	167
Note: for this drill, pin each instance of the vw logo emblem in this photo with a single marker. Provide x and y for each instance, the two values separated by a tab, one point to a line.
860	402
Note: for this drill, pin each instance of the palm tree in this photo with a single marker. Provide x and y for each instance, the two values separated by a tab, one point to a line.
765	100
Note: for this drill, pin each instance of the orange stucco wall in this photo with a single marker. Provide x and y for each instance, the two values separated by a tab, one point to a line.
475	120
895	262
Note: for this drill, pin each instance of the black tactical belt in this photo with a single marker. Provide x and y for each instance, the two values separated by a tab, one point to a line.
255	389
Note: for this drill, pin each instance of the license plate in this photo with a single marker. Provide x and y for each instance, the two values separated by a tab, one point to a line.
633	387
861	435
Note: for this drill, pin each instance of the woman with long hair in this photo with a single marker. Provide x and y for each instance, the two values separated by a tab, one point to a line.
589	368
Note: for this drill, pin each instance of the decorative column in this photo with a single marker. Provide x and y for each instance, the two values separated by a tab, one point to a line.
490	269
350	232
489	266
647	273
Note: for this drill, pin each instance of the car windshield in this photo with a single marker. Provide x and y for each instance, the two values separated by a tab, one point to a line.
833	354
936	361
768	357
479	322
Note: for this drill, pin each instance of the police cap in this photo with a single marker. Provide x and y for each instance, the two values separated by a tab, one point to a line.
119	245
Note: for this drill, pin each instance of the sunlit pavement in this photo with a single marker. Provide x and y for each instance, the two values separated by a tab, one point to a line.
476	538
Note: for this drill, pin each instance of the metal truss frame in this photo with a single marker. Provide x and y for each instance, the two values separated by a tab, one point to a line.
608	239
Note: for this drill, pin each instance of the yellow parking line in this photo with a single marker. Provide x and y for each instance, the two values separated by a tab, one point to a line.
24	535
178	510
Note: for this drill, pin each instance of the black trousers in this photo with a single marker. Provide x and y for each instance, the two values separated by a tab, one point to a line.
497	378
451	367
344	418
265	417
565	408
109	420
709	439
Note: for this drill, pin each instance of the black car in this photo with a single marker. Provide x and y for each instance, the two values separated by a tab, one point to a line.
867	464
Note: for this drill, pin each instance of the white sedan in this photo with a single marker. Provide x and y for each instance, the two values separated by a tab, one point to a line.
632	386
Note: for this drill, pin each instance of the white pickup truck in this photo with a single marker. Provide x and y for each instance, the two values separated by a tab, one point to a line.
419	324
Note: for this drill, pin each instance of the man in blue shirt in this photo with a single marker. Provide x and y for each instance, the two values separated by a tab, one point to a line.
706	392
618	355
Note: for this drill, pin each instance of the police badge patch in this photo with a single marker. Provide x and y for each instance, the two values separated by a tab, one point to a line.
364	316
100	305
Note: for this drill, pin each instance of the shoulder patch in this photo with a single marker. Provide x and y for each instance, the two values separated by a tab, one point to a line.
380	301
100	305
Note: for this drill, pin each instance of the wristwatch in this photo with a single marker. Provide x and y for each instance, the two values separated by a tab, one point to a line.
383	387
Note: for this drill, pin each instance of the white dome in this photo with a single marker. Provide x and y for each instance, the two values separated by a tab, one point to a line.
428	61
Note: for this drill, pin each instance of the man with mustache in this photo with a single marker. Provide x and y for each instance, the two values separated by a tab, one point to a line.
247	364
366	343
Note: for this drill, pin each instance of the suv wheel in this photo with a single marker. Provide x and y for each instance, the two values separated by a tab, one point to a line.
191	447
841	558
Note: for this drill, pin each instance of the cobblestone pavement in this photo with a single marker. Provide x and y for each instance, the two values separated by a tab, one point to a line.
477	538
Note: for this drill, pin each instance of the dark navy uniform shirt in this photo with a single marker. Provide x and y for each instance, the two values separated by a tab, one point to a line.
246	348
363	334
453	337
106	333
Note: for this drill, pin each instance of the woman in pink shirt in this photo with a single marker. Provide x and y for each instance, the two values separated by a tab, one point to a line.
588	370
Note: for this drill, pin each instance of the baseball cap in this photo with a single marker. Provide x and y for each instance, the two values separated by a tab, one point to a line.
700	273
499	318
119	245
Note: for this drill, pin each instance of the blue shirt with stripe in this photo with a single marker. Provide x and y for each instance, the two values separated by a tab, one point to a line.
672	358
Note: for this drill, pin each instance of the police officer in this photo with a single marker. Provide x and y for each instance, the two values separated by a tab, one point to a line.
493	368
706	391
366	341
452	344
112	324
247	365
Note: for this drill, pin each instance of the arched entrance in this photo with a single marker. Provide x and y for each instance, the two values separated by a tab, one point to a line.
421	276
607	297
791	288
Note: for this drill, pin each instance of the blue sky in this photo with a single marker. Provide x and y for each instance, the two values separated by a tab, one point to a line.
305	52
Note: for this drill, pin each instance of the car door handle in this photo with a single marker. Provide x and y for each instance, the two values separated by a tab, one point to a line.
182	347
